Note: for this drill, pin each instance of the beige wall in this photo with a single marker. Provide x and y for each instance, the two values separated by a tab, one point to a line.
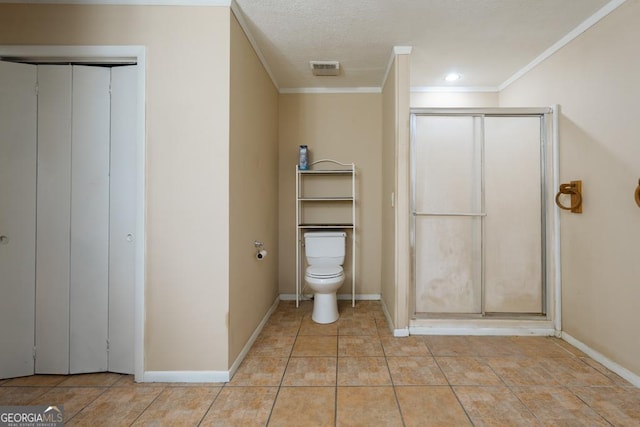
187	130
454	99
389	125
395	170
403	212
253	189
594	79
346	128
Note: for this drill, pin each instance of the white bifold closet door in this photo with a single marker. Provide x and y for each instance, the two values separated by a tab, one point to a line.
89	275
67	261
54	219
122	219
72	281
86	219
18	112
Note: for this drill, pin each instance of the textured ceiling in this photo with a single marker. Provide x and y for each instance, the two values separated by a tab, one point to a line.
487	41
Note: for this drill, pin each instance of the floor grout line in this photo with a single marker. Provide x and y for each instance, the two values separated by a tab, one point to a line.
361	319
210	406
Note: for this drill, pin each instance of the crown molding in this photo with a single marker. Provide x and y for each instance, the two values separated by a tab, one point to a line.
237	12
572	35
402	50
225	3
453	89
397	50
331	90
392	58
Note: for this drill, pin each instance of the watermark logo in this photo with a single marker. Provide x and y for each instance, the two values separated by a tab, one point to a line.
31	416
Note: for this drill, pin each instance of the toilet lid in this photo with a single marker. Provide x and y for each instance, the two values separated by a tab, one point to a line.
324	272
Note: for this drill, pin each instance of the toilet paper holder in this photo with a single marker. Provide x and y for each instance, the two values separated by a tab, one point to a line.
261	252
574	189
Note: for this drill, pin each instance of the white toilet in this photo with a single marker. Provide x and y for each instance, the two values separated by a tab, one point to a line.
324	252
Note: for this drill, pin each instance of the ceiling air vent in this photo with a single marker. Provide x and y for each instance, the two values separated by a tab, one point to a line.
325	68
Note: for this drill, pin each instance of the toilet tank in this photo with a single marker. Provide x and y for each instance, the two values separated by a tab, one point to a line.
325	247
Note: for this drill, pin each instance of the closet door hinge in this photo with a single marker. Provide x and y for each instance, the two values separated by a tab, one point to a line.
35	353
107	345
36	89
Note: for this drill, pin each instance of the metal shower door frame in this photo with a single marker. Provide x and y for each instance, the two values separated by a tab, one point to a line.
545	116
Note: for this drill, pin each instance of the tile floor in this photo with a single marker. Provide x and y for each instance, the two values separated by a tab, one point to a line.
354	373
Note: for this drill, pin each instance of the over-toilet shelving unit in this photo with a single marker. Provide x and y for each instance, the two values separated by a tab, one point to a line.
319	172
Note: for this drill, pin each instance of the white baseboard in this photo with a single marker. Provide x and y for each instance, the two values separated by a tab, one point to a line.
402	332
209	376
605	361
359	297
252	339
185	376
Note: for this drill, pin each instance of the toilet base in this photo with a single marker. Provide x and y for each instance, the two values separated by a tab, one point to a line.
325	308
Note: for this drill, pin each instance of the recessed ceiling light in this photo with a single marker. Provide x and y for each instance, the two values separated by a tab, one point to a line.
452	77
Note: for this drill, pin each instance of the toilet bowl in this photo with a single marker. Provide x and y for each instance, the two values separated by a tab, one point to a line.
324	252
324	282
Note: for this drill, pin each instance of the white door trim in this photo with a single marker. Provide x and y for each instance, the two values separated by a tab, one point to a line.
106	52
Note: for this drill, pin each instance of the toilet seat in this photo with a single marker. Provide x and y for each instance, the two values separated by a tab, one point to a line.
324	272
324	281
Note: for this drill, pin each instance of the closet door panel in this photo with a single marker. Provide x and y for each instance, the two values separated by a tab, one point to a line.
18	115
89	220
54	219
122	219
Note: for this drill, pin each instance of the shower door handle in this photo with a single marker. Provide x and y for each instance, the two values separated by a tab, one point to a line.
449	214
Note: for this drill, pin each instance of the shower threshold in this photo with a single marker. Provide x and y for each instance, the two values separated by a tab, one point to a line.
487	325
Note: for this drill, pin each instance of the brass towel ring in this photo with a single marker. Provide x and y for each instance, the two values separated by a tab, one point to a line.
638	194
574	189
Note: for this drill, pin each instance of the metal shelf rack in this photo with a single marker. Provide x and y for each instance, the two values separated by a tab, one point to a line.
317	170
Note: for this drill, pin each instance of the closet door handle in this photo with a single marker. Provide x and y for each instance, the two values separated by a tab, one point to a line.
637	194
4	239
130	237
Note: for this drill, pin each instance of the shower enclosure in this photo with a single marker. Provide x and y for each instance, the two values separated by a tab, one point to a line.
479	216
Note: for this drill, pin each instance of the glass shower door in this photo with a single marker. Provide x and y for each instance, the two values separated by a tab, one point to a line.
514	236
447	214
478	214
